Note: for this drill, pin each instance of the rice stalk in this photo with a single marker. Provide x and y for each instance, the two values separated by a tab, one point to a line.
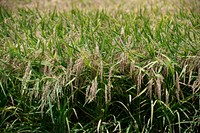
177	87
166	97
72	92
190	76
109	84
98	126
101	71
117	126
69	72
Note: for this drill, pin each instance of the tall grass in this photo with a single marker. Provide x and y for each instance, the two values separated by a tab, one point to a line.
97	71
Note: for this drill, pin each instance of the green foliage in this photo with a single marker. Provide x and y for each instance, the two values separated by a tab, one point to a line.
99	72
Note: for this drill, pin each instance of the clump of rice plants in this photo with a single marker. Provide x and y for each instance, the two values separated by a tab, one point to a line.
98	71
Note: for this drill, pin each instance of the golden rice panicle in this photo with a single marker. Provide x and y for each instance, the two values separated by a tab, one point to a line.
26	77
123	62
159	82
132	68
150	86
77	68
27	71
106	94
139	81
78	65
91	91
45	91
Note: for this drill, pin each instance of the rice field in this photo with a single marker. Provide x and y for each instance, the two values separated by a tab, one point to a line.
99	66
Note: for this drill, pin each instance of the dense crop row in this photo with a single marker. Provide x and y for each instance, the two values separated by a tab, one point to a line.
99	71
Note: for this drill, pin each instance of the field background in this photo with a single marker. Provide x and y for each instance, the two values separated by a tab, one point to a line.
63	5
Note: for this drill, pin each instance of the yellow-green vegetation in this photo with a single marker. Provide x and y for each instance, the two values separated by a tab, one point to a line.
100	70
